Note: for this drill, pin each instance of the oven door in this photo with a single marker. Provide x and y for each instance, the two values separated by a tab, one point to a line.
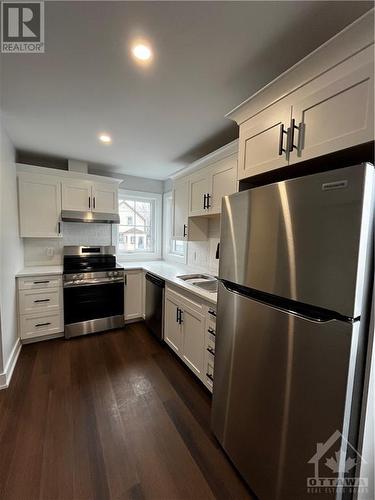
92	308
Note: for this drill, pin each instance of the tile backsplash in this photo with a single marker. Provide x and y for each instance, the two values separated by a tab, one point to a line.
48	251
202	254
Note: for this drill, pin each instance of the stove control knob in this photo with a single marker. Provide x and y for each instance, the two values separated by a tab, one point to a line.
110	274
74	277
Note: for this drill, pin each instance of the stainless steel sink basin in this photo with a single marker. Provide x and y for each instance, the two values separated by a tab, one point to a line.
203	281
209	285
192	277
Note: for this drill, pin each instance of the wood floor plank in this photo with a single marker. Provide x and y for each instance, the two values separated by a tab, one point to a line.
113	416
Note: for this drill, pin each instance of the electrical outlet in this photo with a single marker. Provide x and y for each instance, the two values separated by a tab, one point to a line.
49	251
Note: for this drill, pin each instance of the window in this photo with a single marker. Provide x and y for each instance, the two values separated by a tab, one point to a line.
138	234
173	249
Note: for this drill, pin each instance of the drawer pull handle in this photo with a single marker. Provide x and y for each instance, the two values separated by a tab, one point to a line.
40	282
212	312
208	375
211	351
42	300
211	331
43	324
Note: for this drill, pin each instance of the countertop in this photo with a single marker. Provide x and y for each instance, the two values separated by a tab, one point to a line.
39	271
169	272
165	270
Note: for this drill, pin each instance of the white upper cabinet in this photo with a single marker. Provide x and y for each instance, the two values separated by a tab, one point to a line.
180	208
76	195
104	198
200	186
39	205
263	141
210	184
43	193
334	112
223	182
84	195
321	105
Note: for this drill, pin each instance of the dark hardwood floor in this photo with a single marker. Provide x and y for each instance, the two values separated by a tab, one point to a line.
111	416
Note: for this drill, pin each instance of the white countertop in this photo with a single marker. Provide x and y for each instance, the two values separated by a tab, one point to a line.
169	272
165	270
39	271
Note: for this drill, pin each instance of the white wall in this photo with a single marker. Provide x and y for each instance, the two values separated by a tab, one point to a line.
11	249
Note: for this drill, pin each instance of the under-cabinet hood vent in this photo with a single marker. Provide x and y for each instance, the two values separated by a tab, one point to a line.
75	216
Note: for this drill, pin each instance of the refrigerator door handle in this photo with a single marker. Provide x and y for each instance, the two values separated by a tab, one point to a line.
314	315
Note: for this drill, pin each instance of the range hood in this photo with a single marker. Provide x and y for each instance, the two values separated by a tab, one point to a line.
75	216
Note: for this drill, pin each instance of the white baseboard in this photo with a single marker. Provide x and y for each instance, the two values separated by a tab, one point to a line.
6	377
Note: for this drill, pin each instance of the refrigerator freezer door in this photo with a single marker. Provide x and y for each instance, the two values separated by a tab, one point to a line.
280	388
304	239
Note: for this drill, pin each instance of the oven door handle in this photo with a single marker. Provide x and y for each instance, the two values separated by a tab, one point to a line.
94	283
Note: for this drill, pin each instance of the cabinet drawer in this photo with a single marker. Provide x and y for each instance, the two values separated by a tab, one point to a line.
46	300
36	282
37	325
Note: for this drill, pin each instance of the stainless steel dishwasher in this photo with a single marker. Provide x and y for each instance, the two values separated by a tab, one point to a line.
154	316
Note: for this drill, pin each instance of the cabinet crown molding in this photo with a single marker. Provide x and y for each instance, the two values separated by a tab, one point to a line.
354	38
23	168
219	154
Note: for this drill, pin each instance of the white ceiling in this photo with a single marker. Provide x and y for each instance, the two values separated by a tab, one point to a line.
209	56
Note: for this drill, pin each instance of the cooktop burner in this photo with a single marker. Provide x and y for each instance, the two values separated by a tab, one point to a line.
80	259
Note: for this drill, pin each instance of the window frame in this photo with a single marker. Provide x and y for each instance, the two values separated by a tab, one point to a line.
156	226
168	254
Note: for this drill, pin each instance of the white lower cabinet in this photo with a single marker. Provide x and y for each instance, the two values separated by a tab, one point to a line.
172	327
40	307
134	289
185	331
193	339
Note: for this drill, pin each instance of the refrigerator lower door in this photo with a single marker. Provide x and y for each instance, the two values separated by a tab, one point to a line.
282	385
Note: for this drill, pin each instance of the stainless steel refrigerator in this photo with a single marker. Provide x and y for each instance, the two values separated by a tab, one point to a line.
295	268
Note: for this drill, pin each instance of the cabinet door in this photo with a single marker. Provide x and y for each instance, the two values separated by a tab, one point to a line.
199	186
259	148
76	195
105	198
39	206
133	295
180	209
172	328
223	182
337	113
193	340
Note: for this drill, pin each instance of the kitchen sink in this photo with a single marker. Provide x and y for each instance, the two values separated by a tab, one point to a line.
203	281
209	285
193	277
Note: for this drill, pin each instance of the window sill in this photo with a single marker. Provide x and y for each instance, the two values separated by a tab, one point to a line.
124	257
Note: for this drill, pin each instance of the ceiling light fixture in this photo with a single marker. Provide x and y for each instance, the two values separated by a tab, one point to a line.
142	52
105	138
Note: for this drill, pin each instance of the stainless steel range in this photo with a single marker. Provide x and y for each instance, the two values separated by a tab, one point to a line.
93	290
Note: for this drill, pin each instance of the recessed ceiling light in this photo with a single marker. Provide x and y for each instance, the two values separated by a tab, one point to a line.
105	138
142	52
